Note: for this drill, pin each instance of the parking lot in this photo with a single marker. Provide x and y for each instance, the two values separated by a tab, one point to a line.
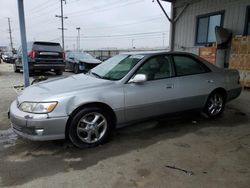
187	151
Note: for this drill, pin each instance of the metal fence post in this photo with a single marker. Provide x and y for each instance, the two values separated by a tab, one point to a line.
24	43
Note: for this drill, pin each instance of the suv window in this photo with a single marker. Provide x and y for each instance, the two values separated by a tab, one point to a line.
158	67
47	46
187	66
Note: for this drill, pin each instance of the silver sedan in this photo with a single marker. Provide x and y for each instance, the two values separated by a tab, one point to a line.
126	88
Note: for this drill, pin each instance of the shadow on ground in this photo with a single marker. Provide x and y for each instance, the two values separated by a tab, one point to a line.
27	160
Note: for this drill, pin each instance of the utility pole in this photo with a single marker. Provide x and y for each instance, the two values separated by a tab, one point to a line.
10	32
24	43
78	39
62	22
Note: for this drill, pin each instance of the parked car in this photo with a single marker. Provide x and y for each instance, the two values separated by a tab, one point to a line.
102	58
42	56
80	62
8	57
126	88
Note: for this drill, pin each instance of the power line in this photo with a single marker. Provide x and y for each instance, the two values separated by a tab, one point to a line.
41	6
49	8
102	9
95	7
121	35
126	24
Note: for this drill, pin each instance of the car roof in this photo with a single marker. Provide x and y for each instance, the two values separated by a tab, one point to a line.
156	52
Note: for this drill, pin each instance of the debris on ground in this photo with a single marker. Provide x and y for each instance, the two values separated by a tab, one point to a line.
39	79
7	138
190	173
19	87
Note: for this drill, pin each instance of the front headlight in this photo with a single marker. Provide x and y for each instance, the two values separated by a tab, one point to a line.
37	108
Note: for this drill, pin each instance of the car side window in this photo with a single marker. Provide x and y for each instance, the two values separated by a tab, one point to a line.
185	65
158	67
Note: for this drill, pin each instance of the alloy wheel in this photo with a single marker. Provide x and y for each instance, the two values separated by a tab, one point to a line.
91	127
215	104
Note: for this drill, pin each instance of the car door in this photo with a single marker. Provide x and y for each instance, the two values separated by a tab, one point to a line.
71	61
157	95
195	81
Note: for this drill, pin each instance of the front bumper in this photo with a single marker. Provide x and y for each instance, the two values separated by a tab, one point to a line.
36	127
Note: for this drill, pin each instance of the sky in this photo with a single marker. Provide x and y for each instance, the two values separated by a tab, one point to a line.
104	24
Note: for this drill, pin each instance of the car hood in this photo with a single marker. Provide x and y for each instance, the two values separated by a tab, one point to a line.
91	61
60	87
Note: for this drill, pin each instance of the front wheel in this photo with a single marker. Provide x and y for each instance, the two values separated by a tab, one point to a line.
90	127
59	72
76	69
215	105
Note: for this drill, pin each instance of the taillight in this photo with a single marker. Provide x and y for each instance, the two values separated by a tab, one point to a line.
63	55
32	54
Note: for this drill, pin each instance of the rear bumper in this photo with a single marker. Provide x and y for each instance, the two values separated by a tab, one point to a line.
46	66
38	127
233	93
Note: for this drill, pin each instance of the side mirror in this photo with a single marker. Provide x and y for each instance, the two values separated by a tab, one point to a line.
72	58
138	78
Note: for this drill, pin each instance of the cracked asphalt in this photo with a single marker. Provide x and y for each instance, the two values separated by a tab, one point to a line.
215	151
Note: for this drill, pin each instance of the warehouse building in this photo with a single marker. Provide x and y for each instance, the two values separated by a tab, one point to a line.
194	21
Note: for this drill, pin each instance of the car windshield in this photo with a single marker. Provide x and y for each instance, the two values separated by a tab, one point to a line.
116	67
84	55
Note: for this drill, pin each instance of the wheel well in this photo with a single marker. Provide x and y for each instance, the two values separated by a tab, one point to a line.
94	104
222	91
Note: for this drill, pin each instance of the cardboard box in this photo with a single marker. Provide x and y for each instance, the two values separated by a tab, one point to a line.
243	48
240	53
208	53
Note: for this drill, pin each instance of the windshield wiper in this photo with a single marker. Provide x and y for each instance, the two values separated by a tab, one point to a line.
96	75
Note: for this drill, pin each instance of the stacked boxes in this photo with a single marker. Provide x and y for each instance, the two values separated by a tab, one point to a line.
240	58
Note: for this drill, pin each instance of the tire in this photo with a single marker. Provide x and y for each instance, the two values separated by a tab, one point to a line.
31	73
90	127
215	105
59	72
15	68
76	69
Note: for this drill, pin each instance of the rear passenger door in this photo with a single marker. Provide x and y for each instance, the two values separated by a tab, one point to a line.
195	81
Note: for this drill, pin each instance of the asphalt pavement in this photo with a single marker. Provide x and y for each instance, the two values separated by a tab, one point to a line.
188	151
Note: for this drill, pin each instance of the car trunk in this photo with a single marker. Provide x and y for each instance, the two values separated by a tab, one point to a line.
45	52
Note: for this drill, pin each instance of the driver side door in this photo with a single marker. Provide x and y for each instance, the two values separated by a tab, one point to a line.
157	95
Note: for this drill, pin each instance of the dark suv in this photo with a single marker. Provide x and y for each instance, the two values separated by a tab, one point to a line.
42	56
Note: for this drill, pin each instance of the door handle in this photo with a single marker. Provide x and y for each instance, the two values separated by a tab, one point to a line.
170	86
210	81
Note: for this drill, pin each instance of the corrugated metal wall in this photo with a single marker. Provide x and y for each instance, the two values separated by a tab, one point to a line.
185	28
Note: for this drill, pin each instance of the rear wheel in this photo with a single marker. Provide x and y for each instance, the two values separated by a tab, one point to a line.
90	127
76	69
15	68
215	105
59	72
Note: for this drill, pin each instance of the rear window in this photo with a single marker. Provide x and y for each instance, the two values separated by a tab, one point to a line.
46	46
